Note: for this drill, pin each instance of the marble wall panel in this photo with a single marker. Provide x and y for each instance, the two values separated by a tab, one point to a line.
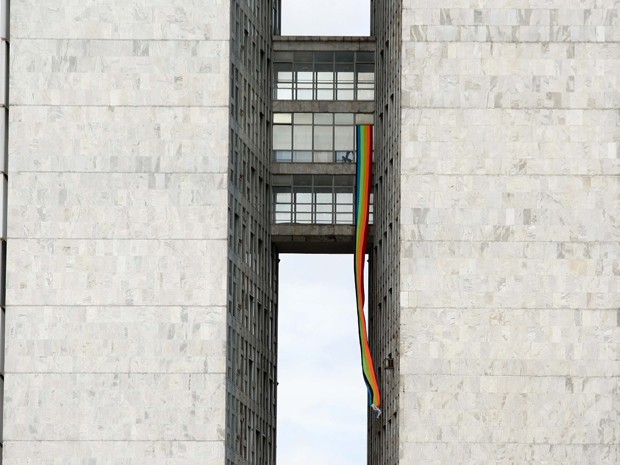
112	139
113	452
155	339
121	19
119	205
115	407
116	272
118	152
509	289
119	73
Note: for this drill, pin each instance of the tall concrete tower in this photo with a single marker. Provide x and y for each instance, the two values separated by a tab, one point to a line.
139	233
496	231
161	154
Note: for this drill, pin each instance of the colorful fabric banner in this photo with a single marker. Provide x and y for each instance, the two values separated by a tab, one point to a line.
363	187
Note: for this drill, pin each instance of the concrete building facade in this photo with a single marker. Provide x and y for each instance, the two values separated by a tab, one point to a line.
143	235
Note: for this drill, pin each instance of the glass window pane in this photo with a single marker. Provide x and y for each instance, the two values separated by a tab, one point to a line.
323	157
282	137
366	68
303	67
304	94
302	137
344	57
302	180
324	208
349	67
345	157
346	208
365	94
345	94
303	207
324	94
344	78
344	198
344	118
284	180
285	76
280	118
324	197
283	217
303	198
324	218
344	138
283	56
302	157
323	180
305	57
284	94
283	197
323	138
324	57
304	77
325	77
344	181
303	218
283	207
323	118
282	156
303	118
365	57
324	67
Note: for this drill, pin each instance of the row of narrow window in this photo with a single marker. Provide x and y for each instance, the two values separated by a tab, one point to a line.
324	75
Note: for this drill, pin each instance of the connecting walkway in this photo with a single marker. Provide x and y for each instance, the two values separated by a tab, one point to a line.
322	88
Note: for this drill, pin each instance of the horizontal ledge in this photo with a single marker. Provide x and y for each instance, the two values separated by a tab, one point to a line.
315	238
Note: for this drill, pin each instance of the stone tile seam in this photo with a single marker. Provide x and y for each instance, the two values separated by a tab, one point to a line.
144	173
116	440
141	373
170	239
109	39
138	306
485	375
506	108
142	239
529	444
73	105
471	308
566	42
404	173
435	375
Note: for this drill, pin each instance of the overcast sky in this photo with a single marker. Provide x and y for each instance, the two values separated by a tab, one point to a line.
322	398
326	17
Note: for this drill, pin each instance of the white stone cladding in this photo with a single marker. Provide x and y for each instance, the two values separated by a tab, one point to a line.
116	286
509	232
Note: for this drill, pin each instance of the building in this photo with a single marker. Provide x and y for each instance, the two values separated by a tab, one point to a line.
141	268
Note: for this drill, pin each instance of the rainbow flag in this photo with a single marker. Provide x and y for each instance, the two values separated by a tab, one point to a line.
362	207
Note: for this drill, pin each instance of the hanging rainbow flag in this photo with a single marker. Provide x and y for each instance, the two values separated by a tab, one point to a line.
362	207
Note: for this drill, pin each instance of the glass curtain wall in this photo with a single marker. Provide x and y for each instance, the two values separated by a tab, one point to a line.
301	75
316	137
314	199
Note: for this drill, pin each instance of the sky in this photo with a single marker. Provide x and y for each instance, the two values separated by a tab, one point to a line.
322	398
326	17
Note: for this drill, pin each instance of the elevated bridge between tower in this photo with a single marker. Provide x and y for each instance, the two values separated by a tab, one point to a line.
323	87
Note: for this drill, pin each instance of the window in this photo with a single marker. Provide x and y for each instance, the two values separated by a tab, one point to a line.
316	137
324	75
314	199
